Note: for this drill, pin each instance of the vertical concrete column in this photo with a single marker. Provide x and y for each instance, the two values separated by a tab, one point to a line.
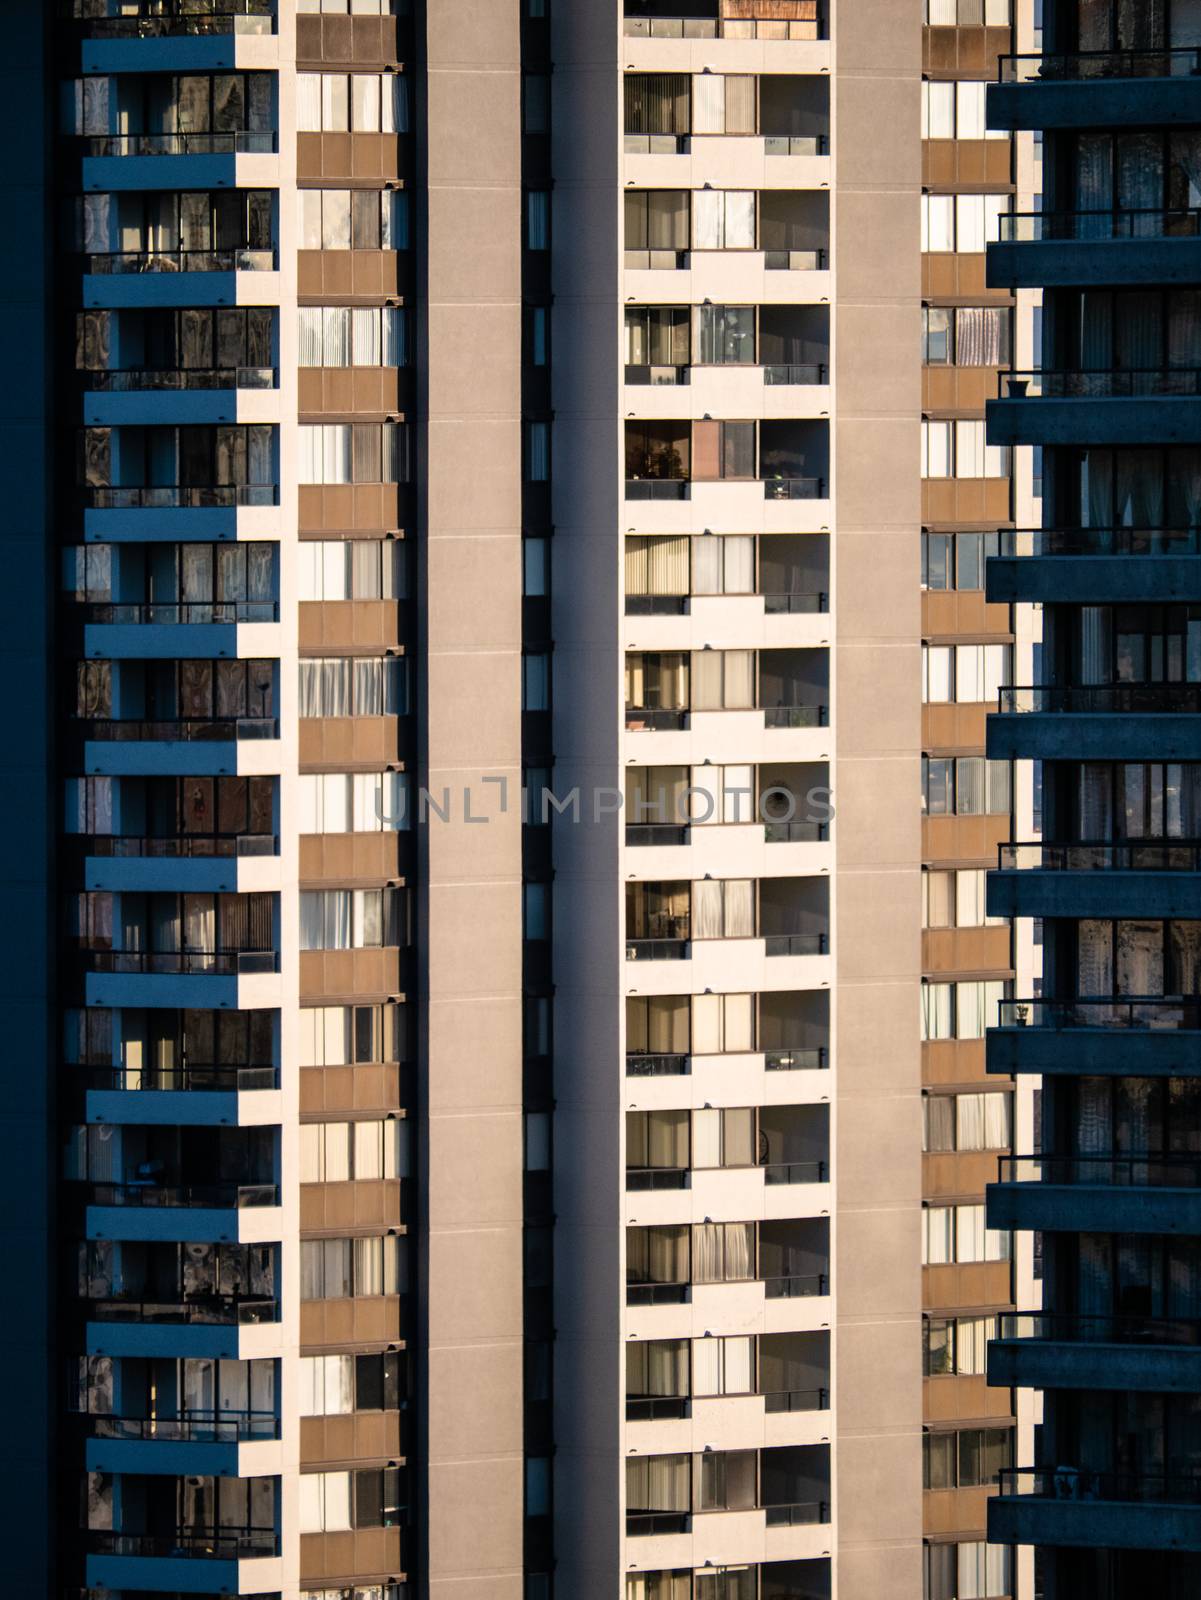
471	922
877	718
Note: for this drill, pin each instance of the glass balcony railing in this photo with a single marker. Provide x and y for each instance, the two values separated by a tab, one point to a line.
1128	855
162	19
1107	698
187	614
640	1065
228	1310
1083	66
110	263
1109	541
1159	1013
1108	385
1121	1171
193	1427
211	1544
796	716
795	944
180	963
789	1286
809	27
1121	1328
171	1197
135	380
808	1059
194	1076
179	496
239	142
180	846
1157	222
1081	1483
124	730
783	488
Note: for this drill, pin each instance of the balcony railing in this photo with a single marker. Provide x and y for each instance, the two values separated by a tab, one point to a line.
658	949
656	260
794	488
795	260
1079	1483
657	1066
1140	1171
212	1544
1107	698
656	833
797	1400
111	263
1070	1328
658	719
658	1178
1149	222
160	19
656	1407
799	1286
795	716
181	962
1131	855
127	847
202	1196
797	1515
124	730
193	1427
229	1310
1083	65
192	1076
795	832
783	144
793	604
792	372
657	605
179	496
795	944
642	1524
796	1172
727	28
658	489
133	380
806	1060
657	1294
638	373
655	144
187	614
1110	541
1156	1013
1113	384
238	142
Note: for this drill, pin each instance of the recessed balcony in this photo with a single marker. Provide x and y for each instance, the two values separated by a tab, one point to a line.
796	20
1045	1350
1145	1193
1130	878
1116	1036
1146	406
1109	1510
669	1264
1063	249
1096	88
1097	722
167	19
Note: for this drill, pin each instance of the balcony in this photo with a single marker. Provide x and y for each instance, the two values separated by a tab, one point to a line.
1132	878
1043	1350
1070	1506
1116	1036
1097	1194
119	145
218	963
1053	249
644	1065
190	1427
179	497
211	1310
1070	407
1096	88
1098	566
170	19
187	1559
1106	722
795	20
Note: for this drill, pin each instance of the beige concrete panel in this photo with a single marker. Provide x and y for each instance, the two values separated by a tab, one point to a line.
885	1135
869	833
881	36
490	338
478	697
472	1036
868	102
883	378
867	1014
458	1373
474	939
879	573
463	153
473	35
879	918
488	1147
879	1264
878	698
473	852
475	237
474	1285
890	1349
876	250
493	561
480	488
876	473
484	1539
892	1568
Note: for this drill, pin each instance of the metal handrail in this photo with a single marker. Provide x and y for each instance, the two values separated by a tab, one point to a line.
1076	66
796	1286
1112	383
200	1426
1069	1482
657	1066
776	1400
135	380
801	1060
221	1310
658	949
180	962
1154	1013
1052	542
782	488
795	944
123	730
1127	855
156	19
214	1544
796	716
1096	226
179	496
658	1178
209	1196
109	263
187	846
1149	698
189	613
794	604
191	1077
1099	1329
240	141
795	1172
1135	1171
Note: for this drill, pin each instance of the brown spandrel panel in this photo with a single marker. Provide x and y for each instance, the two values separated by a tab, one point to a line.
958	389
349	625
351	857
351	1205
954	727
969	1284
967	1398
950	1175
967	164
363	1553
348	972
969	52
946	612
965	500
964	839
371	1319
369	1086
359	1436
954	1061
947	950
961	1512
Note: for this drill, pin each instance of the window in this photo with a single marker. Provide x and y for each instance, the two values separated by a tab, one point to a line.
353	219
967	673
535	567
958	1234
723	1366
724	565
960	1010
335	1036
966	786
956	1345
335	1502
724	1138
962	222
537	452
723	1024
353	336
353	686
338	1152
938	346
354	802
353	452
336	1269
960	450
956	899
723	450
656	103
727	335
967	13
656	220
723	1252
967	1121
723	680
363	102
723	908
726	1480
982	336
353	919
723	219
721	795
938	110
537	216
723	103
657	336
352	569
535	683
658	1484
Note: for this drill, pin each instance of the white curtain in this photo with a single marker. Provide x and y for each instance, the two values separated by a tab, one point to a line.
708	214
708	103
707	900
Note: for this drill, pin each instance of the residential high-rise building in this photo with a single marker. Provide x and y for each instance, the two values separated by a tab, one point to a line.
498	500
1107	722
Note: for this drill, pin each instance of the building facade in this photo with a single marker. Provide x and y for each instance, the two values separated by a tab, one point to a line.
496	565
1106	723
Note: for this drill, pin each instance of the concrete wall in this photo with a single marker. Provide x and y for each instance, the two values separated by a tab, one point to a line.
876	711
